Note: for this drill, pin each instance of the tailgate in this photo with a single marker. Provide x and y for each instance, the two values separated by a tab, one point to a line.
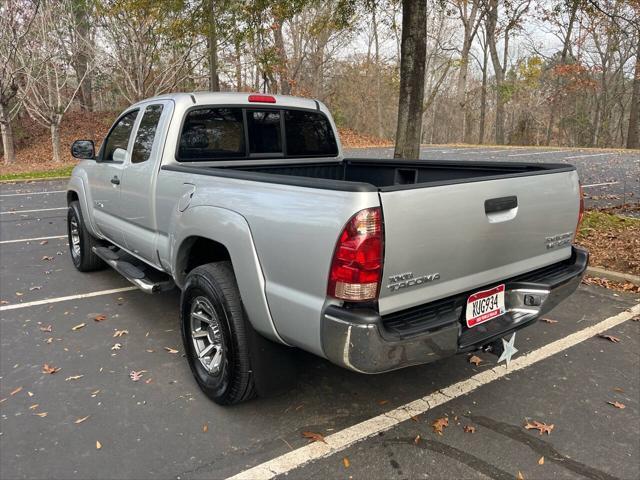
447	239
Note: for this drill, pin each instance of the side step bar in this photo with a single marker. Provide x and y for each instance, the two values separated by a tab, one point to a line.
135	271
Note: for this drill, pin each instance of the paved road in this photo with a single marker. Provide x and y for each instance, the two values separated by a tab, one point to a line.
156	429
611	177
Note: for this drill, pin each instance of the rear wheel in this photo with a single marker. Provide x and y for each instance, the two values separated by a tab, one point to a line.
215	334
81	242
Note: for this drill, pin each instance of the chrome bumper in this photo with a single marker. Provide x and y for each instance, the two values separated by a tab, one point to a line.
358	338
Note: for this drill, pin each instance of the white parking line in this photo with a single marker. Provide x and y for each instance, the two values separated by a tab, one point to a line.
534	153
588	155
31	193
20	240
361	431
16	212
64	299
600	184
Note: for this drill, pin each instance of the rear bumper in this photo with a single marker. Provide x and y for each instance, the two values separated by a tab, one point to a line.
361	340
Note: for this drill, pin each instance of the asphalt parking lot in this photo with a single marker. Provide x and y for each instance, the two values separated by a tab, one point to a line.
90	420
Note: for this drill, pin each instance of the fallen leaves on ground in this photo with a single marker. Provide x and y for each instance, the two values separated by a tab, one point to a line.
314	437
49	340
46	368
100	318
34	406
519	476
611	338
440	424
79	326
346	462
541	461
47	258
15	391
135	376
44	242
82	419
383	402
42	414
475	360
120	333
171	350
549	320
611	285
540	426
417	439
205	428
617	404
48	328
73	377
116	346
98	445
469	429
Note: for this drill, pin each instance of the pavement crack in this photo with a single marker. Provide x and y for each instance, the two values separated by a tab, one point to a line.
541	447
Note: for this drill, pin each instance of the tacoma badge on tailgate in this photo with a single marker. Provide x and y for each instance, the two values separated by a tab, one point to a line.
404	280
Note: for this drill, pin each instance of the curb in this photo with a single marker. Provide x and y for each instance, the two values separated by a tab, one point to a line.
613	276
40	179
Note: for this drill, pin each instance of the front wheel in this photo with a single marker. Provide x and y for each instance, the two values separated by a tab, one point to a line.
215	334
81	242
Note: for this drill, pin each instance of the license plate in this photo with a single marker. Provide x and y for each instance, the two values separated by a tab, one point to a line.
485	305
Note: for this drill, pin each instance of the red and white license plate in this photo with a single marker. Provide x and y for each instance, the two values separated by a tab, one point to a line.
485	305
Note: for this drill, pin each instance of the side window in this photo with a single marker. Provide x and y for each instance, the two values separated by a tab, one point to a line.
146	133
119	136
211	134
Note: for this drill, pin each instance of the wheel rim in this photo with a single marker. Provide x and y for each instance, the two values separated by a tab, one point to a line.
206	335
74	234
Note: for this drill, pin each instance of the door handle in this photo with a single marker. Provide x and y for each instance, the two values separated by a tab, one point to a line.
499	204
115	180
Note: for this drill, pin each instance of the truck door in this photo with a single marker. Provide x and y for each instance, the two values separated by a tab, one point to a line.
138	185
106	175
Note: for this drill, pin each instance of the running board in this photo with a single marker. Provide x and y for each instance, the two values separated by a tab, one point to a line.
146	278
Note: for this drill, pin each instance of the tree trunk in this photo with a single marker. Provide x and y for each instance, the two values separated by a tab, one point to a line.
492	20
483	94
81	58
238	60
285	88
214	84
8	145
55	141
412	66
377	72
633	134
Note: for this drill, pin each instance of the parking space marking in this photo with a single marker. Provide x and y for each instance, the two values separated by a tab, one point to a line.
600	184
20	240
16	212
588	155
534	153
31	193
64	299
368	428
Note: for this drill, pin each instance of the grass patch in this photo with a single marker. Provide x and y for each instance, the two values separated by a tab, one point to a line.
595	222
57	172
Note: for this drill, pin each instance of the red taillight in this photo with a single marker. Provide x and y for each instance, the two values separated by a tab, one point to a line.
581	211
262	98
356	268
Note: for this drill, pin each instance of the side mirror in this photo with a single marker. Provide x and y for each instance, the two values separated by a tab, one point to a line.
119	155
83	149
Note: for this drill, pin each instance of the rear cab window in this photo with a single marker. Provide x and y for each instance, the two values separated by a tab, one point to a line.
228	133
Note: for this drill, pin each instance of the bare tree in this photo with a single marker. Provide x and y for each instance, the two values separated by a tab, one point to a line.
47	87
633	135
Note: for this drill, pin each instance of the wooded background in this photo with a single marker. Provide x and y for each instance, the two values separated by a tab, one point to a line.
521	72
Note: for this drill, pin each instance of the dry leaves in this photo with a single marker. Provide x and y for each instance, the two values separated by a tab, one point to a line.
48	328
171	350
80	420
116	346
519	476
475	360
417	439
314	437
540	426
79	326
541	461
46	368
205	428
17	390
98	445
617	404
74	377
47	258
469	429
120	333
611	338
548	320
440	424
135	376
346	462
100	318
41	414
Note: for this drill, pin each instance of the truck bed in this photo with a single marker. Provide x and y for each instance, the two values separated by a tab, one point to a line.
376	174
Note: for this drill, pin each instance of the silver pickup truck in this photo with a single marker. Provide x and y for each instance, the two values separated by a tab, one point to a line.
246	203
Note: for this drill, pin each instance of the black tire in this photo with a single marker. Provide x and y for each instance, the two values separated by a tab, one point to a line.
83	257
213	287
